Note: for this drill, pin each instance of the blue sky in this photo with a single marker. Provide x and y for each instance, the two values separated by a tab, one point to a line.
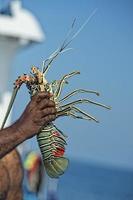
103	52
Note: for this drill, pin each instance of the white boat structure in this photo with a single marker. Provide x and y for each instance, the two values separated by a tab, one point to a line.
18	28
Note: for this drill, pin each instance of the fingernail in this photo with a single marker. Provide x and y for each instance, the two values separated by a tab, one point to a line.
51	94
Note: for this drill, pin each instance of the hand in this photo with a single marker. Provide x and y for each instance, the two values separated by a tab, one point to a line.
39	112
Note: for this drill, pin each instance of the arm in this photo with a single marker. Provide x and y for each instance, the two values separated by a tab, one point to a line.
40	111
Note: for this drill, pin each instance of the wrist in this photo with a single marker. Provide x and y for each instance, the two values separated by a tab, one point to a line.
19	132
23	130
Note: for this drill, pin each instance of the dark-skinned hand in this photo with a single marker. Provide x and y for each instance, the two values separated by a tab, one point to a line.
39	112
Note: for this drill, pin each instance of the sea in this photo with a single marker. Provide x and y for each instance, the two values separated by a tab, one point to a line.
89	181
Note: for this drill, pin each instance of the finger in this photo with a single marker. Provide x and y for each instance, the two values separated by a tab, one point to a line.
45	93
46	103
49	118
51	103
48	111
45	120
39	122
43	104
41	95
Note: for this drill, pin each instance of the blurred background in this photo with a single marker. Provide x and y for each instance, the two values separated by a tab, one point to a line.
101	155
